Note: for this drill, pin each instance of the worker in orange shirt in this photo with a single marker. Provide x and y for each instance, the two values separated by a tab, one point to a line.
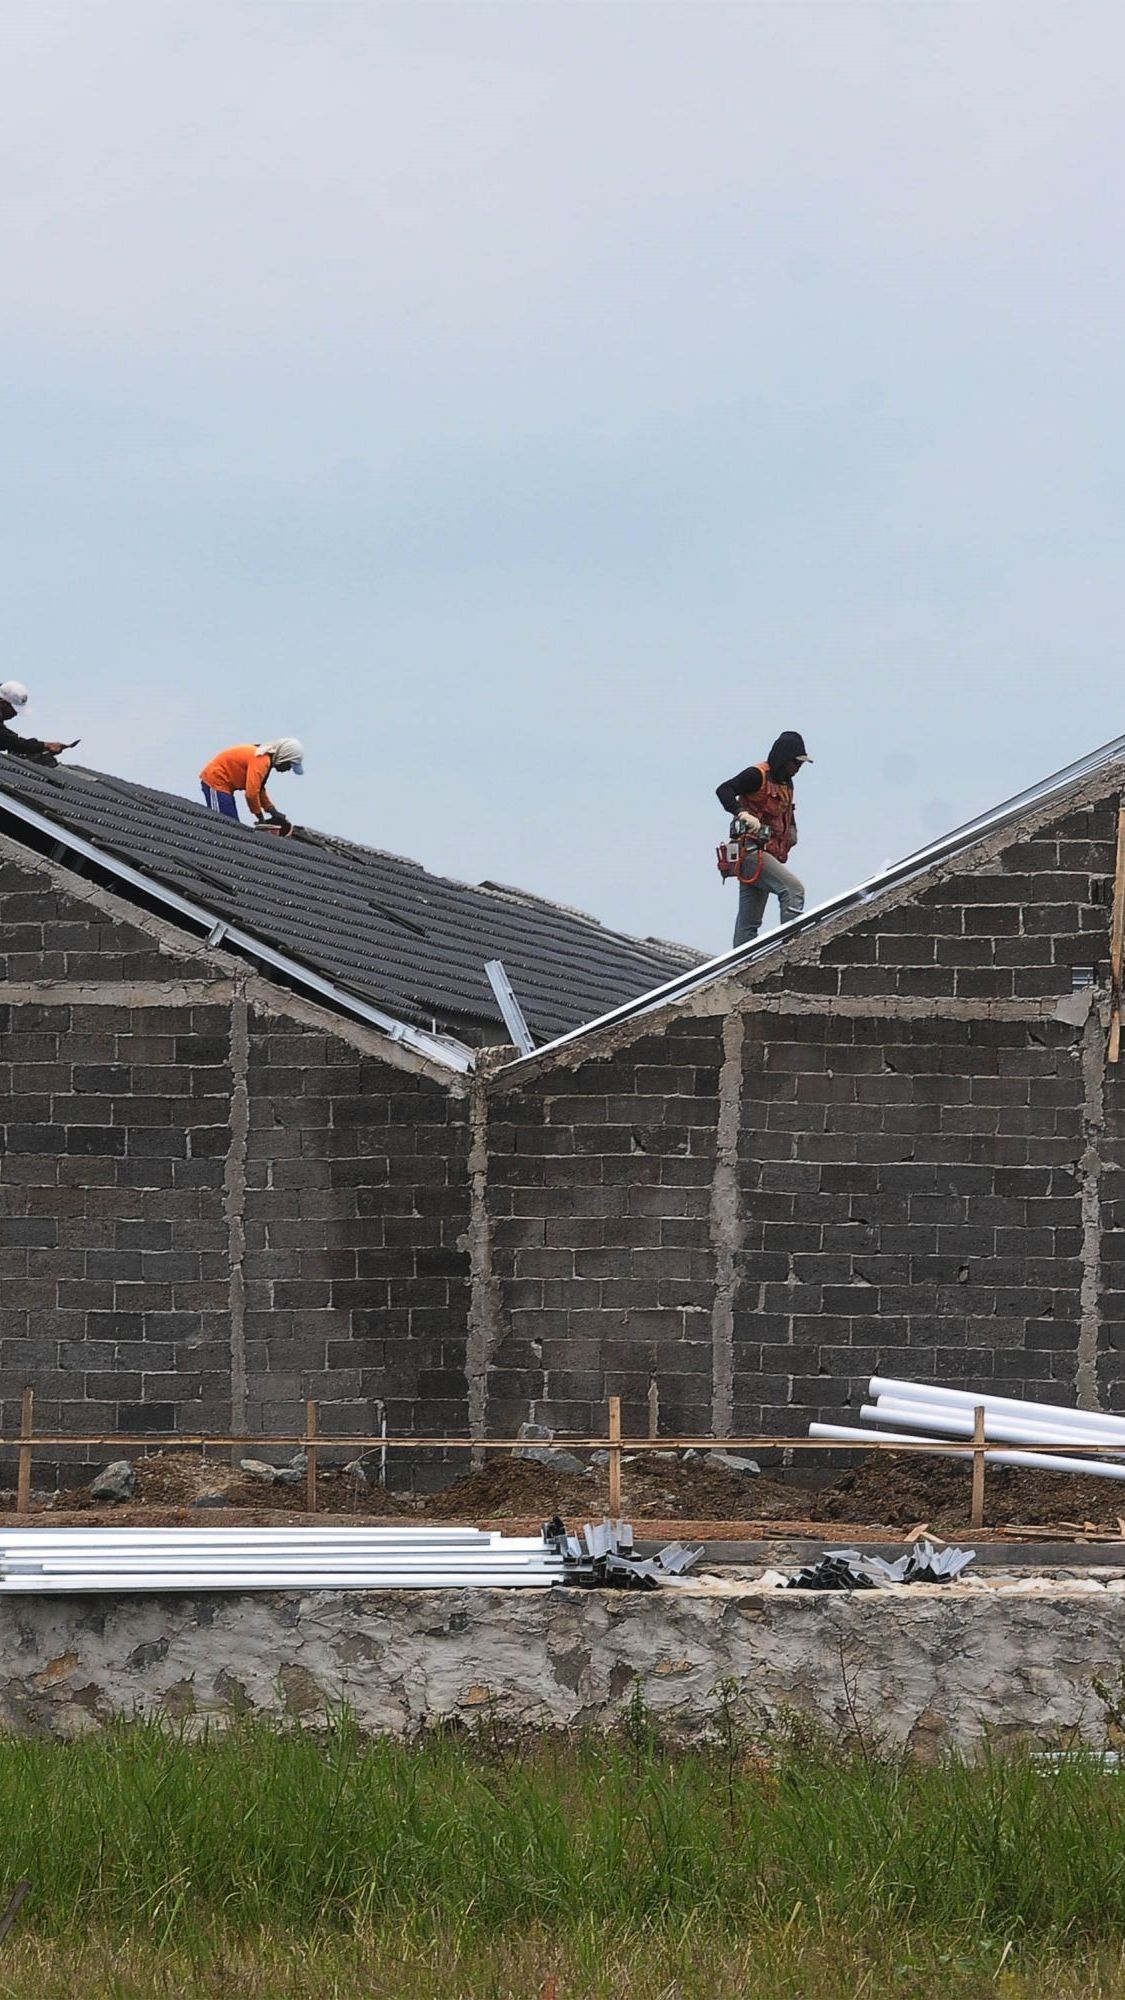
245	768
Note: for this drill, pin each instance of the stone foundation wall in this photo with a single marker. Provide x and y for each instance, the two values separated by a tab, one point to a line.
931	1670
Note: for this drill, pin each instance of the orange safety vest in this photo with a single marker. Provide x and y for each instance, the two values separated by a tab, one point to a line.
773	805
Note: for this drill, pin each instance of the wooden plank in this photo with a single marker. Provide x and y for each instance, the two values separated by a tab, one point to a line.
976	1510
615	1456
310	1463
23	1476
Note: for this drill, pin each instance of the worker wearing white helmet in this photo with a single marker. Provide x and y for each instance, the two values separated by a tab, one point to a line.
13	701
245	768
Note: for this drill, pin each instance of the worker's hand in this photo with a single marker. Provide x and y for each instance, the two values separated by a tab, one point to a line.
56	749
751	824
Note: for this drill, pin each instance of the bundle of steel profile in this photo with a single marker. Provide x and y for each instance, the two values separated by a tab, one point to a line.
917	1410
43	1559
179	1559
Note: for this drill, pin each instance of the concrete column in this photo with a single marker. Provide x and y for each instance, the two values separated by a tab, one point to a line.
726	1227
1089	1179
484	1292
234	1189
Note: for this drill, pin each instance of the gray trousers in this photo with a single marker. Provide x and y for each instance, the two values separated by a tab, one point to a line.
775	880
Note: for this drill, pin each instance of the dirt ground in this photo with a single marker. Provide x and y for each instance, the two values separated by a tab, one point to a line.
884	1492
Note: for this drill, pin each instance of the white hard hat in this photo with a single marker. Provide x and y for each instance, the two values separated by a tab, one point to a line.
14	693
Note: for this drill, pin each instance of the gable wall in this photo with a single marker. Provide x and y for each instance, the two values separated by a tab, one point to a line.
908	1157
212	1206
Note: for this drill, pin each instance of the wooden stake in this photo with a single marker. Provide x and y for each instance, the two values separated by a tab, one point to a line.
615	1456
976	1516
23	1478
310	1448
1117	943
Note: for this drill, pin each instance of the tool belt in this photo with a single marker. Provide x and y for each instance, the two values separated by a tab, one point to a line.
740	857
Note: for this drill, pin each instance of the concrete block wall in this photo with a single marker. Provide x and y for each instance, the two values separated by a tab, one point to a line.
113	1302
911	1205
1008	929
215	1199
357	1208
909	1156
599	1196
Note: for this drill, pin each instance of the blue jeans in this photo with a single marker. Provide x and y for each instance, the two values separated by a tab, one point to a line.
219	802
775	880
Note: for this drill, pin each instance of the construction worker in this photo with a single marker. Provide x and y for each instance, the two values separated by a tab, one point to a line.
760	799
245	768
13	701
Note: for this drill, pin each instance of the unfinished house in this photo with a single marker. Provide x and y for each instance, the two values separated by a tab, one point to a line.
262	1141
237	1122
886	1139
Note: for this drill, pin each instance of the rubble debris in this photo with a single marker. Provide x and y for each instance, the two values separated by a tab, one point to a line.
276	1475
114	1482
256	1468
723	1461
557	1461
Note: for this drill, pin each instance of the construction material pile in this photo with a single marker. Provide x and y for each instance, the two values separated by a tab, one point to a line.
849	1569
337	1558
604	1557
916	1410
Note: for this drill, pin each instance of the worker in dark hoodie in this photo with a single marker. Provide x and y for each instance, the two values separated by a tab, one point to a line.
760	798
13	701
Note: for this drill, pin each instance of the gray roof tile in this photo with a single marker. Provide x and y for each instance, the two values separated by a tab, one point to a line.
410	942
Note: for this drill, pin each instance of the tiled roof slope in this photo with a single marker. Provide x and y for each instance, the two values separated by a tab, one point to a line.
380	926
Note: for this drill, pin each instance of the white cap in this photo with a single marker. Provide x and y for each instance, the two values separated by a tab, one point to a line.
14	693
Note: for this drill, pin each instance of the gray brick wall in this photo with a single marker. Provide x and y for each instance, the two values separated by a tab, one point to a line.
357	1206
1009	930
114	1299
599	1190
116	1143
47	934
910	1207
930	1169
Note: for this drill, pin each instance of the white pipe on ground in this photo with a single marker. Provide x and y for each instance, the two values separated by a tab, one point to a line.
1097	1468
966	1399
959	1423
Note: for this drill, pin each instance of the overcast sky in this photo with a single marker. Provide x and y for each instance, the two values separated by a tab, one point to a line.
537	406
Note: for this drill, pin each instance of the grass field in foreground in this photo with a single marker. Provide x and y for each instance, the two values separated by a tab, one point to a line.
269	1861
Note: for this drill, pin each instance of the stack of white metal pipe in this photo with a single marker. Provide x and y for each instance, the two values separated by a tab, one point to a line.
917	1410
300	1558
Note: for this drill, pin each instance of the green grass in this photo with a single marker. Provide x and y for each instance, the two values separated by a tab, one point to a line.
269	1861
